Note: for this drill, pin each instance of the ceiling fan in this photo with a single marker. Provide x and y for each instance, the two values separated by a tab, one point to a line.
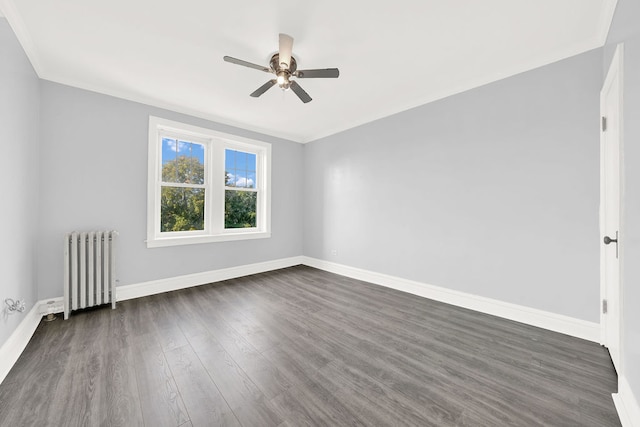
284	66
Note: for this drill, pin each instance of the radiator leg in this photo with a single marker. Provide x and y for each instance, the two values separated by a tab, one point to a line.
50	317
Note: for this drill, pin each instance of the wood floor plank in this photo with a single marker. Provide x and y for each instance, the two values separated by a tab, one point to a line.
35	375
203	401
83	382
240	392
297	347
312	403
159	397
120	405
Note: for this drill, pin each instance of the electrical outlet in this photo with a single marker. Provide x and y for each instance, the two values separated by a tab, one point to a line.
334	252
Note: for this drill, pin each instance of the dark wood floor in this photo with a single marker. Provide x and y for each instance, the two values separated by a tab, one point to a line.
301	347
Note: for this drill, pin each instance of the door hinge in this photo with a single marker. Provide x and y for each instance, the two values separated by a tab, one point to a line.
604	123
604	306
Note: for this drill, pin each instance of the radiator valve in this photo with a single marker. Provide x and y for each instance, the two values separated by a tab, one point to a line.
14	306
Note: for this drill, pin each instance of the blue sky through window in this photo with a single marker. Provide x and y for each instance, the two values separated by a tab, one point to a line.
172	149
240	168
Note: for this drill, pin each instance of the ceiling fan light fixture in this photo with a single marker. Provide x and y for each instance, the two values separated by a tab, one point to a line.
284	66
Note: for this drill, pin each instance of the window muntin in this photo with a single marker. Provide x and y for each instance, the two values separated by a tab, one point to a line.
187	204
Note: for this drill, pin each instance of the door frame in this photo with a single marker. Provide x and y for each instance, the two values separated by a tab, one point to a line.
615	70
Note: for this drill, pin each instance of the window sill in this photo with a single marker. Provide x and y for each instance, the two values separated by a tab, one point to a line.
193	240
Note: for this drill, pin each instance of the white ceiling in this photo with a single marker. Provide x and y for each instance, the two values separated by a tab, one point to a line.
392	55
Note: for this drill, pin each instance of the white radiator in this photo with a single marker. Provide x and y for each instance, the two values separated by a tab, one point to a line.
89	270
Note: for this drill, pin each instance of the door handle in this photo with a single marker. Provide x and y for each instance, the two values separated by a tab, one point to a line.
608	240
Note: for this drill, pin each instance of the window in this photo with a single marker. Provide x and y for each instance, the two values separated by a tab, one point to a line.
205	186
240	193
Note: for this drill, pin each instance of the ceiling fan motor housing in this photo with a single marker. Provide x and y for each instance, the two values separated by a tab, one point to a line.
283	73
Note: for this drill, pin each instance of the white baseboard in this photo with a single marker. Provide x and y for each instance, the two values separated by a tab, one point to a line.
554	322
626	403
187	281
17	342
13	347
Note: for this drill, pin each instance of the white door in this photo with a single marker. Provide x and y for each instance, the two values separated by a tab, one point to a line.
611	110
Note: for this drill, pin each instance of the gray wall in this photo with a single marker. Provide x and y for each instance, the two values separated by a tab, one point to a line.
19	176
493	192
625	29
94	175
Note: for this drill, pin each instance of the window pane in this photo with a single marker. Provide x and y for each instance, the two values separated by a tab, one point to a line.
187	164
241	178
251	162
240	169
251	180
181	209
229	159
197	154
241	160
240	209
168	158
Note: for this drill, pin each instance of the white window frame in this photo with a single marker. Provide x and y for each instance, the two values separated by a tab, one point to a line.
215	144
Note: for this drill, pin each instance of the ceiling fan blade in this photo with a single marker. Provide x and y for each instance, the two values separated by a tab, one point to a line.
246	64
304	96
262	89
315	74
284	53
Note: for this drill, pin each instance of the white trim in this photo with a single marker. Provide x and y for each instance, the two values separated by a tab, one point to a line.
606	18
153	287
16	343
554	322
215	144
18	340
161	242
616	70
20	29
598	39
626	404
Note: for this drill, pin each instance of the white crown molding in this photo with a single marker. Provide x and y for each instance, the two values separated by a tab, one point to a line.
16	22
175	108
303	139
542	319
606	18
17	25
626	404
470	84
